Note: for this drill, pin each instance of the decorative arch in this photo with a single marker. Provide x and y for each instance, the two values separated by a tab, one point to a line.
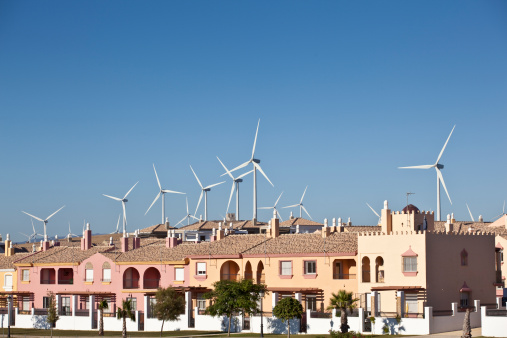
379	269
131	279
464	257
248	271
365	269
151	278
260	273
229	271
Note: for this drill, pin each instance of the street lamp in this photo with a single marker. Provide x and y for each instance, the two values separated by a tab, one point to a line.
262	324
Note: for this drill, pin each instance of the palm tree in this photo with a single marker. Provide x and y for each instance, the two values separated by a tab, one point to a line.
342	301
102	305
125	312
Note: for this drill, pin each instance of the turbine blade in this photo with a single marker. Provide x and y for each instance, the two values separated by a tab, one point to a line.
279	216
291	206
198	203
445	145
226	170
158	181
255	140
130	190
265	208
156	198
181	221
118	223
33	226
230	197
213	185
173	192
262	172
472	217
243	175
238	167
197	178
197	219
115	198
54	213
278	199
443	183
307	212
303	195
376	213
37	218
427	166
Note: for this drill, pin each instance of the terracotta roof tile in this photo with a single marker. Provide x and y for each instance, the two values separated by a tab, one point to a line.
299	221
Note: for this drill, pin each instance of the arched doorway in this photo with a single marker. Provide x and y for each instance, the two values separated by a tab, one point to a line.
151	278
260	273
365	268
229	271
379	270
131	279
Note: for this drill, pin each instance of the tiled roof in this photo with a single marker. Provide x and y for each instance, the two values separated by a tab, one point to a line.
157	228
462	227
62	254
7	262
362	228
299	221
307	243
209	225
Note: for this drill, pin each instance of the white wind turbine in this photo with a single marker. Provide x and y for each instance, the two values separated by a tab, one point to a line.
235	184
301	207
204	190
256	166
187	217
34	234
161	192
376	213
117	231
472	217
45	221
274	207
123	201
440	178
70	234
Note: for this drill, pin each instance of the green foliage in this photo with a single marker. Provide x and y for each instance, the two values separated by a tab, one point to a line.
52	317
351	334
125	312
398	319
342	301
170	304
229	297
102	305
372	319
288	308
385	329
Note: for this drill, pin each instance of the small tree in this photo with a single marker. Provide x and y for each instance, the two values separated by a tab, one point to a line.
52	317
342	301
229	297
288	308
102	305
169	305
123	313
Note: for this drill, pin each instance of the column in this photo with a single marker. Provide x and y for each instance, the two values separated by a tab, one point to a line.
374	303
91	301
400	303
147	310
74	305
274	299
299	297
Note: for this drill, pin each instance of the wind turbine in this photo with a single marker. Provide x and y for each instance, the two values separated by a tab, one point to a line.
472	217
34	234
376	213
117	226
45	221
28	238
123	201
301	207
503	212
440	178
204	190
161	192
256	166
235	183
188	216
70	234
274	207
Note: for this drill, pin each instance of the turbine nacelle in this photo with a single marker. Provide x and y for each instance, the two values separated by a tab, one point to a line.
440	166
256	160
239	180
125	200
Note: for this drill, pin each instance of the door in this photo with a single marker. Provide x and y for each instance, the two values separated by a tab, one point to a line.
337	272
66	306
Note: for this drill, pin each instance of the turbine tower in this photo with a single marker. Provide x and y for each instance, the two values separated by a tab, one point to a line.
301	206
161	192
45	221
376	213
274	207
235	183
117	226
70	234
187	217
256	166
123	201
204	190
440	178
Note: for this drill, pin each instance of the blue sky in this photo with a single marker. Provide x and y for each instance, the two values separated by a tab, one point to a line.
92	93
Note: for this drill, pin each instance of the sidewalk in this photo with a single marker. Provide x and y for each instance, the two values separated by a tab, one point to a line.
453	334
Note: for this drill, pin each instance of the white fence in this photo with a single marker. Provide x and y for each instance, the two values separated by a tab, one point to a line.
493	326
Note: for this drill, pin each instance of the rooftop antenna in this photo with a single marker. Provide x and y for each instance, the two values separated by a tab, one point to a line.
123	200
45	221
204	190
188	216
161	192
235	184
440	178
472	217
301	207
256	166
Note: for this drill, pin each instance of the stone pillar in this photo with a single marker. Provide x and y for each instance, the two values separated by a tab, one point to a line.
274	299
454	308
74	305
188	303
147	310
299	297
374	303
400	303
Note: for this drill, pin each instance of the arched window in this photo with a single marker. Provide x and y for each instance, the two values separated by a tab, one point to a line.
365	270
89	272
379	267
106	272
464	258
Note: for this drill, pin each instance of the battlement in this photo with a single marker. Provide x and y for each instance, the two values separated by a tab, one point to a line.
428	232
411	212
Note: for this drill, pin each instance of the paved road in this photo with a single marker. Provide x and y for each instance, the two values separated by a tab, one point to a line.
453	334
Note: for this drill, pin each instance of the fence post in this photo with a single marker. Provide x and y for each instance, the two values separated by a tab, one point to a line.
454	308
428	316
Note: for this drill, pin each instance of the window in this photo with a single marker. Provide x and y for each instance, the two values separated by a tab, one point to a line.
66	306
87	303
286	268
45	302
202	238
25	275
201	301
133	303
310	267
25	304
179	274
464	299
409	264
411	303
106	272
464	258
311	303
8	282
89	272
201	268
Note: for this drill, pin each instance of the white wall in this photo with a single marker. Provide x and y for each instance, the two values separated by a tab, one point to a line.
113	324
25	321
493	326
74	323
455	322
153	324
323	325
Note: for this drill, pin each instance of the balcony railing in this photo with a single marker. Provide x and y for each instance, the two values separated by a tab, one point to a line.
344	276
261	278
65	281
83	313
151	283
248	275
229	276
131	283
65	312
47	281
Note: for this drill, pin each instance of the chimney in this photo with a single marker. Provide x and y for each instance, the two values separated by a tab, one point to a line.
171	241
334	221
297	228
111	241
56	242
386	219
33	248
291	215
231	229
124	243
275	226
448	225
340	224
167	224
86	241
349	223
453	220
481	219
9	250
220	234
136	241
213	235
325	229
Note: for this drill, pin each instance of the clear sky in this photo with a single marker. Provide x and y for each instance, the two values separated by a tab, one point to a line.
93	92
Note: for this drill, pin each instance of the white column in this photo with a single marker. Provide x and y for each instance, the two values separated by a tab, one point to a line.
375	308
274	299
401	295
299	297
361	320
454	308
146	305
58	302
74	304
477	304
499	302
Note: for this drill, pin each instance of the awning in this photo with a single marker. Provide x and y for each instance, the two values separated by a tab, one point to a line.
465	288
397	288
294	289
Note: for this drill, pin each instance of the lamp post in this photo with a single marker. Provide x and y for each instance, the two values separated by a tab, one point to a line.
262	324
9	311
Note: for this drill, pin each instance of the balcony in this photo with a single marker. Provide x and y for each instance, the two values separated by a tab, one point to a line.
47	281
344	276
66	281
229	276
131	283
151	283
